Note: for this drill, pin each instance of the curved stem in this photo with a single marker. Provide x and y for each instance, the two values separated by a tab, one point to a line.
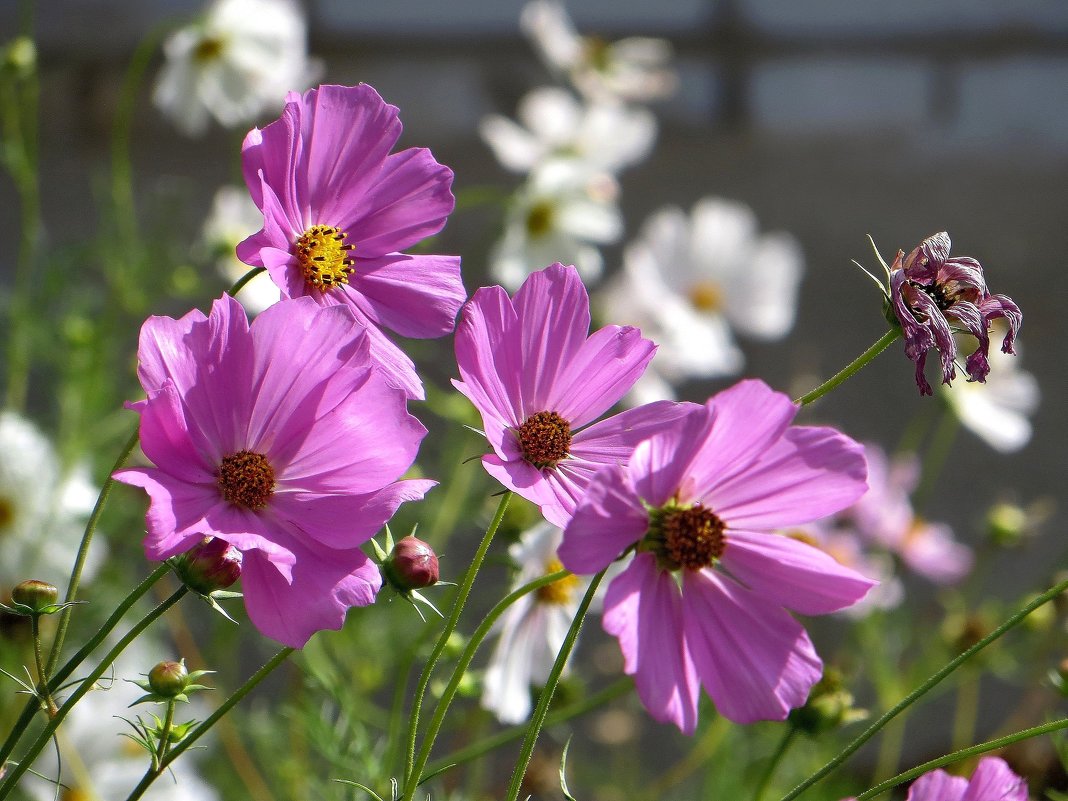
964	753
240	283
776	758
537	720
450	626
461	667
850	369
85	686
916	694
83	550
210	721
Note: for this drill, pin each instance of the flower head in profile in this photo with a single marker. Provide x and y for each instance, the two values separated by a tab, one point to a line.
532	630
931	293
632	69
282	439
689	281
704	600
236	61
993	780
540	380
338	209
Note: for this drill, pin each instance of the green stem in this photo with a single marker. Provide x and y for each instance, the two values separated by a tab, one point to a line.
164	736
936	457
83	550
243	280
909	699
59	676
966	714
210	721
42	676
850	369
537	720
776	758
964	753
491	743
461	667
450	626
86	685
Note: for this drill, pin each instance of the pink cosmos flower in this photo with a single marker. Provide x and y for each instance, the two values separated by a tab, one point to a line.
706	493
993	780
338	208
281	438
538	378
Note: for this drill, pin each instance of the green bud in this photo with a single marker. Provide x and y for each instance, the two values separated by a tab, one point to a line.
37	596
168	679
1006	524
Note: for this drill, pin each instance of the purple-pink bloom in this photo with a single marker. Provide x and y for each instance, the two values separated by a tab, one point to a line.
930	292
704	600
539	379
282	439
338	209
993	780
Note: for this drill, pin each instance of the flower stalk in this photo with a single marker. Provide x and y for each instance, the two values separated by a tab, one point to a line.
852	368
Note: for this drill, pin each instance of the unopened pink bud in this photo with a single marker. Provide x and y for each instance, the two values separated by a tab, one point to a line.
212	564
412	565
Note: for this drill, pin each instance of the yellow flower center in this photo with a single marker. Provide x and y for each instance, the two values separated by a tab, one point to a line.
246	479
208	49
323	257
545	439
540	219
560	591
706	296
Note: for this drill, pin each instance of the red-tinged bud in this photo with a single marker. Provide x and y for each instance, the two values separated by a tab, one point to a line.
168	679
411	566
35	594
212	564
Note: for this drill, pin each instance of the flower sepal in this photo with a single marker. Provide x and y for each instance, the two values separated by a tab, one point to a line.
207	569
169	681
33	598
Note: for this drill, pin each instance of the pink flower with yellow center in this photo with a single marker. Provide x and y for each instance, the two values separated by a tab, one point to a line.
282	439
338	209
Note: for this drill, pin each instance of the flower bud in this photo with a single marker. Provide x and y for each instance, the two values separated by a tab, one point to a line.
1006	524
829	706
168	679
212	564
37	595
411	566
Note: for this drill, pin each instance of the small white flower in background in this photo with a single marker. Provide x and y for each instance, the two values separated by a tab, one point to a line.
532	629
42	511
633	69
687	281
604	137
560	214
233	218
997	412
239	59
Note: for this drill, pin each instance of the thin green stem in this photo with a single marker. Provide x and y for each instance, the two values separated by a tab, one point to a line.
85	686
916	694
210	721
450	626
936	457
461	667
966	713
83	550
42	676
964	753
164	735
851	369
776	758
241	282
491	743
537	720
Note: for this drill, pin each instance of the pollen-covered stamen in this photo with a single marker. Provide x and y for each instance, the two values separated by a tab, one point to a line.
246	479
545	439
323	257
560	591
692	538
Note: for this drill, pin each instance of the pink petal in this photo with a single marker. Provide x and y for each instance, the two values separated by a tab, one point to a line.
409	201
394	364
608	520
269	157
808	474
755	660
930	550
660	465
416	296
167	439
792	574
555	491
643	610
937	786
324	585
993	780
612	440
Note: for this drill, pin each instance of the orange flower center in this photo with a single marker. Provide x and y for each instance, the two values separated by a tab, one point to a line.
246	479
545	439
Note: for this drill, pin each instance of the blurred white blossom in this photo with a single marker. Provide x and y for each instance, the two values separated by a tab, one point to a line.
560	215
238	59
553	124
234	217
633	69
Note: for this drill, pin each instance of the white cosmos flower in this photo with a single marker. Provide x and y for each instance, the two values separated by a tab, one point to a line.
688	281
997	412
560	214
532	629
632	69
233	218
42	511
603	136
239	59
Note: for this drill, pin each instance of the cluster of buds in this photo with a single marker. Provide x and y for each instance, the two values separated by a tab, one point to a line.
408	566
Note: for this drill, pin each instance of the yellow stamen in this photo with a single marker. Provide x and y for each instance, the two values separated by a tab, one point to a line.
323	257
561	590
